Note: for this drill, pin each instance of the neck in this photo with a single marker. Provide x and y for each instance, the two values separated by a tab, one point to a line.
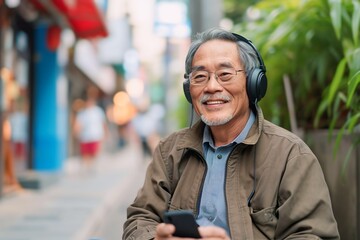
225	134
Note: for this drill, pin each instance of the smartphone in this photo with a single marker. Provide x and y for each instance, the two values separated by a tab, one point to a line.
184	222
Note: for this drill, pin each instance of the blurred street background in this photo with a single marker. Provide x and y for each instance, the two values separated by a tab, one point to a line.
127	57
80	205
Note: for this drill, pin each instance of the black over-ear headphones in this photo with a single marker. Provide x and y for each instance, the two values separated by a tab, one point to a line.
256	80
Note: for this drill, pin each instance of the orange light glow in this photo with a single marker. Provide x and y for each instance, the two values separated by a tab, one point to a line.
121	98
123	110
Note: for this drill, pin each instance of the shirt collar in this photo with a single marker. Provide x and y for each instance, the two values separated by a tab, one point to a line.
207	137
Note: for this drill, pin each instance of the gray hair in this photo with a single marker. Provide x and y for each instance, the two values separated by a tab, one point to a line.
247	54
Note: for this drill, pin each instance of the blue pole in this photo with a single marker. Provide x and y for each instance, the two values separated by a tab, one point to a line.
49	123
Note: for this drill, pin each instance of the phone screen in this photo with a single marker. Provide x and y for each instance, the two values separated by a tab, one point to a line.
184	222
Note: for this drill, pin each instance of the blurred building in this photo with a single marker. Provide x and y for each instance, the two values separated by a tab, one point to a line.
52	51
37	42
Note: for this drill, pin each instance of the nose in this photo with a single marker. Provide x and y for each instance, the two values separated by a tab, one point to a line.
213	84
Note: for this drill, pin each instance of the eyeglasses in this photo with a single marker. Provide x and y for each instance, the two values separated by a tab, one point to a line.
222	76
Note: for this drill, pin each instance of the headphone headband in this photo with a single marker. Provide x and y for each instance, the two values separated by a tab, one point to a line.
243	39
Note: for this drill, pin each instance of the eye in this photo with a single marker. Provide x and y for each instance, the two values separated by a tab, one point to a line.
225	74
199	76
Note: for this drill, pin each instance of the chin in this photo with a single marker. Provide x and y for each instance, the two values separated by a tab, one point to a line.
215	121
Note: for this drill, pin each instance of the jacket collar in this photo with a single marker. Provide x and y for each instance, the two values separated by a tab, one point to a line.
192	138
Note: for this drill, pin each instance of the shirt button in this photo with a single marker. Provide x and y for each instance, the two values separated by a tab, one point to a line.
219	156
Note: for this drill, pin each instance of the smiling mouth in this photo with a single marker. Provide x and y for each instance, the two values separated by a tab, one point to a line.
215	102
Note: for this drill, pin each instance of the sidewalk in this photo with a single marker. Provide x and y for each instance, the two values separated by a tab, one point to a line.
78	206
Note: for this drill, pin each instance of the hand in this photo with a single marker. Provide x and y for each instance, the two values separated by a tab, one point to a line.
165	231
214	233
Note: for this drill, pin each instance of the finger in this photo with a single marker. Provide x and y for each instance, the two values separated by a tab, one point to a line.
164	230
213	232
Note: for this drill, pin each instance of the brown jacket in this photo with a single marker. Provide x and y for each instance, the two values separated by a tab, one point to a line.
291	199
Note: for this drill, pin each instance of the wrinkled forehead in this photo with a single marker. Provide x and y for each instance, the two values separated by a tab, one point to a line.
215	58
220	65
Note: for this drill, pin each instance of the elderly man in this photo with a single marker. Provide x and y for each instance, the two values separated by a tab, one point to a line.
241	176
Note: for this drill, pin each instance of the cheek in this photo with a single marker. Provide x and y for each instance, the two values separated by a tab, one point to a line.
195	94
195	97
195	100
240	97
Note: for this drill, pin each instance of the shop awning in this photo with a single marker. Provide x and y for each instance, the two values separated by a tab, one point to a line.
82	16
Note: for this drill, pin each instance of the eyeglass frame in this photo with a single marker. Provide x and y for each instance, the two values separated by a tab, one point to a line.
217	78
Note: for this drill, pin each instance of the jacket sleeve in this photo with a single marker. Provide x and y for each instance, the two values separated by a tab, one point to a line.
305	209
146	211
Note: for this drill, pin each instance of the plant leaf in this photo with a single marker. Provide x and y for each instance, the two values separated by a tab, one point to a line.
356	22
335	14
335	83
353	83
321	109
338	140
352	121
347	159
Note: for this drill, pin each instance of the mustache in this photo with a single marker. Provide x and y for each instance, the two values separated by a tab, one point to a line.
217	96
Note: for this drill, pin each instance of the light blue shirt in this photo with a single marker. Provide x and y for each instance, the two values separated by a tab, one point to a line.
213	206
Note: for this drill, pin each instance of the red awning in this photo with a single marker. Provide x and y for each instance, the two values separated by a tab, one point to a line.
83	16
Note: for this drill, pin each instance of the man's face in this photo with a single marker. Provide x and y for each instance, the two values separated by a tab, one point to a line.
219	104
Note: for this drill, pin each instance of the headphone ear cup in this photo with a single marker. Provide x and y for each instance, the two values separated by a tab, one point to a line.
256	85
186	88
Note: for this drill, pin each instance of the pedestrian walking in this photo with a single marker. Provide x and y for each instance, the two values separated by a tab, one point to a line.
90	130
146	124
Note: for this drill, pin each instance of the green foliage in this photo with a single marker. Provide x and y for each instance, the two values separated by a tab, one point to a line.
316	43
343	91
235	9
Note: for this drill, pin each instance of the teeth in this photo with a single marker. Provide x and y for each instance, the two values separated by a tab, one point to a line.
214	102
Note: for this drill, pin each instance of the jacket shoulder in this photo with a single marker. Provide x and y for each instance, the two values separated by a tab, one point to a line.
277	133
174	137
